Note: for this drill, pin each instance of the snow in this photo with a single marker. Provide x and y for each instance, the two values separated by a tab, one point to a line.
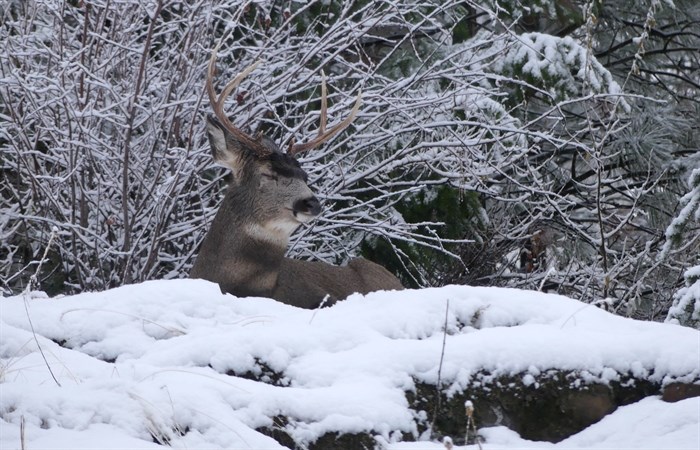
169	362
562	62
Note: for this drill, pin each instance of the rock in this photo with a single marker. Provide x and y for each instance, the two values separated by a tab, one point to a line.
549	407
677	391
553	407
329	441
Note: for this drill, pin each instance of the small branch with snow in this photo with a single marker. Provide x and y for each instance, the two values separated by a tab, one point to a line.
25	296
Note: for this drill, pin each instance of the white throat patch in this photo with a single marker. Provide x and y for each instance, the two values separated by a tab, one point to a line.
277	231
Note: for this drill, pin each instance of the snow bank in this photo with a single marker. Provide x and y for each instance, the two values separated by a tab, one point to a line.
170	362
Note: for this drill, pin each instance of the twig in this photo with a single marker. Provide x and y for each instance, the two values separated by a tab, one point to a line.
471	424
323	302
550	271
439	378
22	441
170	329
25	297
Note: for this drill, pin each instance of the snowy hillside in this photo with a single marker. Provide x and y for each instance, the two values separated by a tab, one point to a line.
176	363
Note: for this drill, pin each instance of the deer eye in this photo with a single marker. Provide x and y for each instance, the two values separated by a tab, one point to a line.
270	176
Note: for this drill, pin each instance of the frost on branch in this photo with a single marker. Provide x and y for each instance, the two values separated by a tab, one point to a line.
686	303
560	66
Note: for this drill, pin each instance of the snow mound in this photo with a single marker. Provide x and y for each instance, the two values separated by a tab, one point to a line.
177	363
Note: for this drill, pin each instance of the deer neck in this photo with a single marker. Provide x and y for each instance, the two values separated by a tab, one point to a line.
247	256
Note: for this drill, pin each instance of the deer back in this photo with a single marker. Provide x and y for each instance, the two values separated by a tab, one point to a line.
308	283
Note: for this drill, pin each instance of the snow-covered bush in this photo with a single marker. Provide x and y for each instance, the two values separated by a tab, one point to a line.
521	131
102	138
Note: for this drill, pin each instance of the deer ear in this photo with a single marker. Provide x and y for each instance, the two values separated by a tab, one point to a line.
226	150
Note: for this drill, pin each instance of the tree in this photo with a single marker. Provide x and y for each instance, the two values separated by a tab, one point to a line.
686	302
591	210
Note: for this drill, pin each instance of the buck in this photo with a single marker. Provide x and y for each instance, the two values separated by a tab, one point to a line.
266	201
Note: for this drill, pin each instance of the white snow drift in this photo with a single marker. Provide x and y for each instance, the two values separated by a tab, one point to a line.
160	363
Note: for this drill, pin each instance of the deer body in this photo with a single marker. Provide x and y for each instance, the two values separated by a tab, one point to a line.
267	199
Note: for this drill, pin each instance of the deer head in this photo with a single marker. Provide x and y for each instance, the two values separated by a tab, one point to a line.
270	184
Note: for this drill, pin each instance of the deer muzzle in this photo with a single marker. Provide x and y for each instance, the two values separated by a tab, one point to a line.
306	209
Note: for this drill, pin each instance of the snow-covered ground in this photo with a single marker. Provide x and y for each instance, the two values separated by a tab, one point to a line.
173	362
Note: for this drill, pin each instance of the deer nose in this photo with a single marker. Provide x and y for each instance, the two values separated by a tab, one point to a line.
310	206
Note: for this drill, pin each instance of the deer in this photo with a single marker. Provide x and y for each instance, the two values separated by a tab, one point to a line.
267	199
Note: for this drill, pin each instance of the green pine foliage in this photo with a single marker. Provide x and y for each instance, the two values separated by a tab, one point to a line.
682	231
453	216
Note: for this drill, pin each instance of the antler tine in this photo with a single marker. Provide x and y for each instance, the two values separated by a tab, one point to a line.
217	102
324	135
233	84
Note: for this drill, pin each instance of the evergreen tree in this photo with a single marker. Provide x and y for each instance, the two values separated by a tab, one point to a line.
681	234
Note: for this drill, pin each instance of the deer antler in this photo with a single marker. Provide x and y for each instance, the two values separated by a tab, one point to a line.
324	135
217	103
